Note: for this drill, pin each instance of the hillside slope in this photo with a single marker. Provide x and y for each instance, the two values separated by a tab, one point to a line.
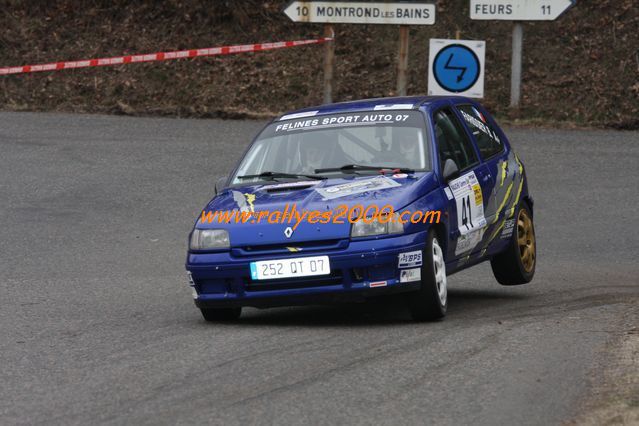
583	68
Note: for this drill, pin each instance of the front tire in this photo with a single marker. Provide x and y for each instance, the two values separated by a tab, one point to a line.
431	301
516	265
221	315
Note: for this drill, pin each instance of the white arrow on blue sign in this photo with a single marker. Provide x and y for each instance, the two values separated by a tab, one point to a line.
519	10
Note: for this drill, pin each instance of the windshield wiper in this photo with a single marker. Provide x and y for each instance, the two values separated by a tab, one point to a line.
357	167
275	175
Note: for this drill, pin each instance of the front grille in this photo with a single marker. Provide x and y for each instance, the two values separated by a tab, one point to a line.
299	248
302	245
334	278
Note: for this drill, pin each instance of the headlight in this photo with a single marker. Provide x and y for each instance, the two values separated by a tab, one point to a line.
204	239
376	227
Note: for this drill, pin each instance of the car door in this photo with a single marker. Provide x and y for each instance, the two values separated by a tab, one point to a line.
467	193
506	169
491	151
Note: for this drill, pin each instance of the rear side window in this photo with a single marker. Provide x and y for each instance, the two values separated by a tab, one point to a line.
487	140
452	141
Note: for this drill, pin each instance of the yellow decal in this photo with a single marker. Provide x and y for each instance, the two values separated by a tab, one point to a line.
479	199
249	199
492	237
293	249
503	203
511	212
504	172
521	167
499	228
512	209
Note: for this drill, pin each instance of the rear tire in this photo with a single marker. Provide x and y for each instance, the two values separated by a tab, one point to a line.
221	315
516	265
431	301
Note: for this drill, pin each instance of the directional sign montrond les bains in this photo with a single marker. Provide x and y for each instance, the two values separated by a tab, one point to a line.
339	12
518	10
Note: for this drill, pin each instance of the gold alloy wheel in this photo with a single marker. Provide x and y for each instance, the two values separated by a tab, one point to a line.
526	240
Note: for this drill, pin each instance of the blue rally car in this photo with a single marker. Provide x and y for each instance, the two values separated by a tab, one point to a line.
401	156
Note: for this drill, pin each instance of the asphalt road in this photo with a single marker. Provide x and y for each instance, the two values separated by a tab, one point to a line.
97	324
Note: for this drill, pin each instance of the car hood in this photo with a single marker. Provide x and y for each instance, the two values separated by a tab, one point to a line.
397	191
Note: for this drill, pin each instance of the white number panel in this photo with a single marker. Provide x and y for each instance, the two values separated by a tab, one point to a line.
469	202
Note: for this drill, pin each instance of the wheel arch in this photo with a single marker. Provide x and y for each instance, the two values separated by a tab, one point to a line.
440	233
529	203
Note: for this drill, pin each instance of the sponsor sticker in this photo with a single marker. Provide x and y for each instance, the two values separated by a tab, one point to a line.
410	259
290	185
467	242
449	193
393	106
357	187
299	115
480	125
509	225
408	275
479	199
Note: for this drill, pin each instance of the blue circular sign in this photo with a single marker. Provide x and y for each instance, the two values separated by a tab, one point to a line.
456	68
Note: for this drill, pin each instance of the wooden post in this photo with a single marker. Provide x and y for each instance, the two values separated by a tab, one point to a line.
329	64
515	74
402	62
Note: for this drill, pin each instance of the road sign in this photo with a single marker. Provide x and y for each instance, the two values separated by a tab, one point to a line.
354	12
456	67
518	10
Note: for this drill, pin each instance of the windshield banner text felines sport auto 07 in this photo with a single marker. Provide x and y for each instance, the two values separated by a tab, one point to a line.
402	118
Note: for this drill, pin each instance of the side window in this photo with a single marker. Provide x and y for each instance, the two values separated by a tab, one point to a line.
452	140
487	140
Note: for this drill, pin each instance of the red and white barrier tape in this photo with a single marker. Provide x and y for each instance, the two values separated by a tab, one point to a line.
161	56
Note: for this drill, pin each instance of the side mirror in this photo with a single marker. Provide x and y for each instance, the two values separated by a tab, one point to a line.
451	171
220	184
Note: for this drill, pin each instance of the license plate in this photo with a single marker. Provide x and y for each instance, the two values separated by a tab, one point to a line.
290	268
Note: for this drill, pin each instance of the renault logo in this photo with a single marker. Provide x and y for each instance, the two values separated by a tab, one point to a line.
288	232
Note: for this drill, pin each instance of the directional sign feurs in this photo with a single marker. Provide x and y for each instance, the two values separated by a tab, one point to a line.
334	12
518	10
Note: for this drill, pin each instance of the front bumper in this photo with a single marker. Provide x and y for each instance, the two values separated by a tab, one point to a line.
223	279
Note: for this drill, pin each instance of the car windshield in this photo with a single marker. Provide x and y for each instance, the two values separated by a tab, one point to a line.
303	145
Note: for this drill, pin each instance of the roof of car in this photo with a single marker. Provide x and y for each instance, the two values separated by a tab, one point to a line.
395	103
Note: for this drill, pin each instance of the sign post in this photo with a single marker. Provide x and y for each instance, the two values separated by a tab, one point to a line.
515	65
358	12
402	61
517	11
329	59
